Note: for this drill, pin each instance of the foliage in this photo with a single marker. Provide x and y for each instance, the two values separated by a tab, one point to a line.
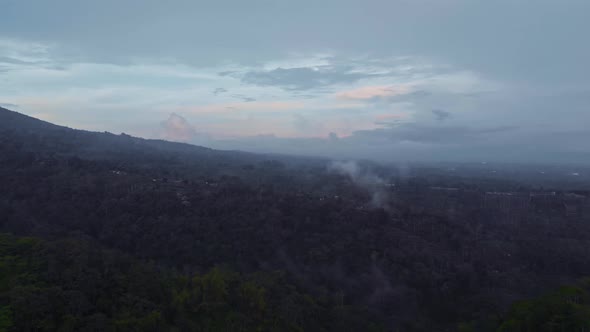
567	309
70	285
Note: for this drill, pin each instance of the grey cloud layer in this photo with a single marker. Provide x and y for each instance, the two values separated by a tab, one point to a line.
441	115
527	40
489	146
304	78
439	135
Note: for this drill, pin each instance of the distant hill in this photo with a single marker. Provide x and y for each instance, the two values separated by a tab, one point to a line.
22	124
18	121
43	140
39	136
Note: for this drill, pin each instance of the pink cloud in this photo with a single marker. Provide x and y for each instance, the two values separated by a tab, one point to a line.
369	92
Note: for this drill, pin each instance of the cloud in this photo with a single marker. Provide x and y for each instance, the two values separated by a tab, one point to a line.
219	91
390	119
8	105
386	117
305	126
247	106
437	135
373	92
12	61
536	40
177	128
413	96
227	73
305	78
441	115
245	99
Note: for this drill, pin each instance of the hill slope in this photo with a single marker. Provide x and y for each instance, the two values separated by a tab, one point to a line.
187	209
10	120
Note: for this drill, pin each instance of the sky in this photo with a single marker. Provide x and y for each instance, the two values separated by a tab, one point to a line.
394	80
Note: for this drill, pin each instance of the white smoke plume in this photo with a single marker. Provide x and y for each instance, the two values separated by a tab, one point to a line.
363	178
177	128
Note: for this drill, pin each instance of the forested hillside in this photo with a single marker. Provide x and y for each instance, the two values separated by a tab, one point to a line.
75	285
152	235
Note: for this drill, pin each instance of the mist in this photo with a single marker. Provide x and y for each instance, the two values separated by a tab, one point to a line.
365	179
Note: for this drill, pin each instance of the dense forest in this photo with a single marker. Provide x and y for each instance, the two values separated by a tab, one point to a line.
109	232
75	285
